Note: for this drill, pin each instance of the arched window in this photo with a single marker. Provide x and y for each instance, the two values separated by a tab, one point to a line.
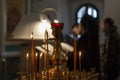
86	9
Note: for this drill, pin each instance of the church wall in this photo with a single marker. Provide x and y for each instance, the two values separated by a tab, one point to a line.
63	10
38	5
61	6
112	9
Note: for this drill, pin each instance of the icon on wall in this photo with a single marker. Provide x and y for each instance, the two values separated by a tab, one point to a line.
15	10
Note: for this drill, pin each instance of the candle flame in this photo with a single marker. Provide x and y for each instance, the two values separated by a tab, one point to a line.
80	53
41	54
27	55
31	35
56	21
36	54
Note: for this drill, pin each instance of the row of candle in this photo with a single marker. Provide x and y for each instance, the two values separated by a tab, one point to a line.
46	53
38	59
75	55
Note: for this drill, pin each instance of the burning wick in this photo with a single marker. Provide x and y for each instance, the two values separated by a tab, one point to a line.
27	55
31	35
36	55
41	54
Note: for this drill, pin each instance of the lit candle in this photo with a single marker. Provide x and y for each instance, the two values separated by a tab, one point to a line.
37	62
80	63
32	55
40	65
36	55
27	61
75	50
27	57
46	49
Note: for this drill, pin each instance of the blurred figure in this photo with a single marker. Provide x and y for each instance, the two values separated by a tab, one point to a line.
111	50
87	44
76	28
76	31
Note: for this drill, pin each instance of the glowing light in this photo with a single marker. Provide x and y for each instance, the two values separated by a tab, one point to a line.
41	54
44	25
31	35
56	21
36	54
27	55
80	53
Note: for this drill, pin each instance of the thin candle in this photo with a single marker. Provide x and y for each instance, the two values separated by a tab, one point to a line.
46	49
37	63
45	58
27	57
40	65
80	63
74	43
36	55
32	54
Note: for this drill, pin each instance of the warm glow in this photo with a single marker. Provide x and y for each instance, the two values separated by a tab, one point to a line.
80	53
43	25
65	55
27	55
31	35
41	54
56	21
36	54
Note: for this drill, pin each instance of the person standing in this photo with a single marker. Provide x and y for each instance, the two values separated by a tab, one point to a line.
87	44
111	50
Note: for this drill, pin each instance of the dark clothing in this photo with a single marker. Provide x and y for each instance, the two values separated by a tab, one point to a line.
112	48
88	45
88	56
83	46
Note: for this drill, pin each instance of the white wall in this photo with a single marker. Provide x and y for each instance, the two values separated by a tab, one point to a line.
63	10
112	9
38	5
